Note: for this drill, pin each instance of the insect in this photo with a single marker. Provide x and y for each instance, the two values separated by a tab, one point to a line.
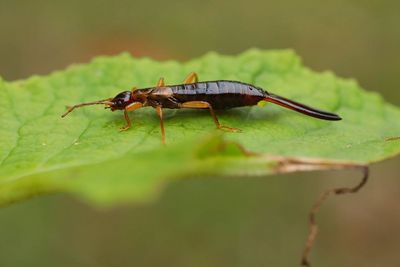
192	94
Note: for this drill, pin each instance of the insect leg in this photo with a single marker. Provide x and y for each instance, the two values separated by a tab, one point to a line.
130	107
160	114
191	78
128	122
206	105
161	82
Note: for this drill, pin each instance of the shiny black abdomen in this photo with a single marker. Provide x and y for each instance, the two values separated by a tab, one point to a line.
220	94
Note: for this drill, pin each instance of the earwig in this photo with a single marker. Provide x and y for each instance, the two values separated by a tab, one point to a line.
192	94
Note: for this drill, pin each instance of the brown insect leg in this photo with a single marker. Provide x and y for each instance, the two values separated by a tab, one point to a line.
130	107
160	114
128	122
205	105
191	78
161	82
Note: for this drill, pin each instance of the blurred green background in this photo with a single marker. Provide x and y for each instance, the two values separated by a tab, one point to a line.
211	221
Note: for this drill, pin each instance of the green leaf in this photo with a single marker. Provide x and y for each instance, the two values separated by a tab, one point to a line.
84	153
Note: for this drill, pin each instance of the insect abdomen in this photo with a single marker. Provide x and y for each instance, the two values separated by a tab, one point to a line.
220	94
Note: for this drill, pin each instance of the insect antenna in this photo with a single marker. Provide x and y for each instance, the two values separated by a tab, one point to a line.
104	102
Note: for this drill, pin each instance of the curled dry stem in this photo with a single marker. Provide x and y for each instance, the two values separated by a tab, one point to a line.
317	205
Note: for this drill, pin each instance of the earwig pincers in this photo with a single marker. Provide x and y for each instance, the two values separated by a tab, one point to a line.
192	94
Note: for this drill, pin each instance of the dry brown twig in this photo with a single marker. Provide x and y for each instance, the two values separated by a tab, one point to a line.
317	205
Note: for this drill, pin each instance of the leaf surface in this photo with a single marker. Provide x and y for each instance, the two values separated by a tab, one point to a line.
84	153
